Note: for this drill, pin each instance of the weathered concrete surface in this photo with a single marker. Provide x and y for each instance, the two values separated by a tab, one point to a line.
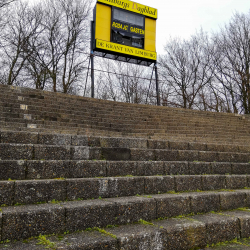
205	202
87	169
117	168
133	209
198	168
79	215
150	168
48	169
219	228
177	168
7	192
19	137
221	168
213	182
135	237
16	151
188	183
236	181
172	205
159	184
182	233
34	191
54	139
48	152
232	200
84	240
22	222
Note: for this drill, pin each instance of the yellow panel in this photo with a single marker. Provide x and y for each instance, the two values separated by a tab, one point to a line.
122	49
103	11
149	45
103	33
103	22
150	25
150	35
132	6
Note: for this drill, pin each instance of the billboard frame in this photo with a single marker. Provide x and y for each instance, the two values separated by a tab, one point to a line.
131	54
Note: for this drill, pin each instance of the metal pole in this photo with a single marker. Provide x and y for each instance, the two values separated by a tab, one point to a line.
92	61
150	84
157	85
92	75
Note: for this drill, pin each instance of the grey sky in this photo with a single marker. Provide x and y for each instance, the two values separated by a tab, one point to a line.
181	18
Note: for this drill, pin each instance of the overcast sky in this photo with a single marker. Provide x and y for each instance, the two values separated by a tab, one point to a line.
181	18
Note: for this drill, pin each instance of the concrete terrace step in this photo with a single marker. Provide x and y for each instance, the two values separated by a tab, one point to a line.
56	115
28	127
109	142
35	126
42	191
42	169
26	120
74	99
10	151
113	114
72	163
123	105
22	222
48	112
129	128
192	232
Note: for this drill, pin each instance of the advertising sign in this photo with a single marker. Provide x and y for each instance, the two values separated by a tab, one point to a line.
125	29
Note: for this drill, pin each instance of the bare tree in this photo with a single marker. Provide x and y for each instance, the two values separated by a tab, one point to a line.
21	28
232	60
123	82
60	52
4	3
187	68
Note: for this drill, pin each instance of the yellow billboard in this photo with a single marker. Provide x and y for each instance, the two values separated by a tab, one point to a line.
125	28
135	52
132	6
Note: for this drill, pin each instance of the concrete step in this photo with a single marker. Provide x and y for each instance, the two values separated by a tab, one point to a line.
22	222
36	191
109	126
56	114
101	107
105	142
72	99
11	151
51	169
235	244
191	232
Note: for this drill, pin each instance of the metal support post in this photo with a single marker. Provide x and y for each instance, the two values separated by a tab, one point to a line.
92	61
92	75
157	85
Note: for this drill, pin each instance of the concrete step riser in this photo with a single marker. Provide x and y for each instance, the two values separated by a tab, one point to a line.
26	170
111	125
35	191
94	132
44	125
106	142
35	101
74	100
87	116
31	220
48	152
194	232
